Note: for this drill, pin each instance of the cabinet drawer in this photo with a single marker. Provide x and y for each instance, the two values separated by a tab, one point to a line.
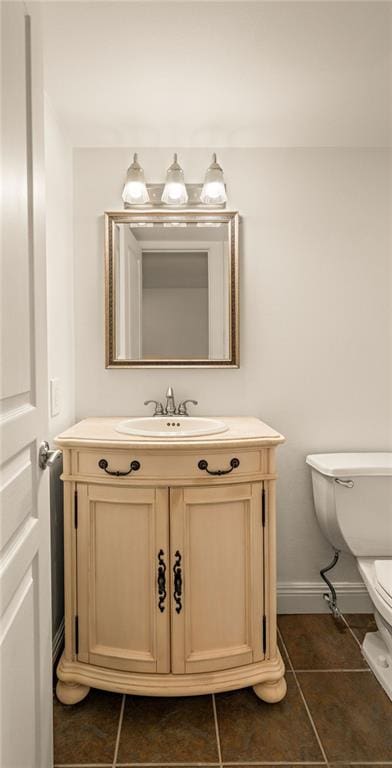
170	465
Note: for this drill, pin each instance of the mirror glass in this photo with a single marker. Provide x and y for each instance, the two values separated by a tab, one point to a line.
170	289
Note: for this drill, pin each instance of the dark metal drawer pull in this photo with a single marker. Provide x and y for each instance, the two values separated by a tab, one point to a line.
161	581
133	467
177	581
203	464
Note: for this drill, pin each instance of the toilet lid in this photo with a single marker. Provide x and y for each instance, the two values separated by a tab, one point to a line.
384	578
350	464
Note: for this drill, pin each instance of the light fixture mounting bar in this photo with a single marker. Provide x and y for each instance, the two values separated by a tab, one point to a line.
155	194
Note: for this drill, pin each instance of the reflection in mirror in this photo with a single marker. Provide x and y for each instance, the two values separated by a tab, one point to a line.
171	290
175	304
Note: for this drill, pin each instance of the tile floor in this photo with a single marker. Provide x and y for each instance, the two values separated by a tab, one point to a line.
334	713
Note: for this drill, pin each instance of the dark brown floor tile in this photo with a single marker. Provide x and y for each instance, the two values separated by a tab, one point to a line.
251	730
359	765
352	714
318	641
168	730
361	623
283	654
86	732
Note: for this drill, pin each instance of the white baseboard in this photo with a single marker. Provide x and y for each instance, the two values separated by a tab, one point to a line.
57	642
307	597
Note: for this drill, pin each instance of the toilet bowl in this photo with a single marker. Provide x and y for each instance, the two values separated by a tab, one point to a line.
353	502
377	646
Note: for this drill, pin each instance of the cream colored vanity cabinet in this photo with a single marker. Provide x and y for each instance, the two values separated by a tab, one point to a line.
170	562
122	541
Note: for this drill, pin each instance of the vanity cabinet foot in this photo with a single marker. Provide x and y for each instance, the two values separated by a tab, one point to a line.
69	693
271	691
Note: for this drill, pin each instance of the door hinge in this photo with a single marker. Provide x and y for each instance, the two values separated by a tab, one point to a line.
76	509
263	507
76	635
264	633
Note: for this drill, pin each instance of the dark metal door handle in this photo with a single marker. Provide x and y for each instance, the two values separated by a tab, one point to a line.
133	467
161	581
177	581
203	464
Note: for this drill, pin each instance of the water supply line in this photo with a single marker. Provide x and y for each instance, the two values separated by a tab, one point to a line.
330	597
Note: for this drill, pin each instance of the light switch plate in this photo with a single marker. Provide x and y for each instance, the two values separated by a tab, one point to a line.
55	397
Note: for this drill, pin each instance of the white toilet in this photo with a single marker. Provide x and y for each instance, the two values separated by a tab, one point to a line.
353	500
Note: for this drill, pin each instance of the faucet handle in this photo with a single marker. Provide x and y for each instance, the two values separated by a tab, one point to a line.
182	409
158	411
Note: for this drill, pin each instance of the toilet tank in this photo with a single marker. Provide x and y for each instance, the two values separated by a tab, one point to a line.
353	501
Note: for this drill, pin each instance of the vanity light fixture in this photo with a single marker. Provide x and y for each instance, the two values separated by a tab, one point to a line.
135	190
214	190
175	192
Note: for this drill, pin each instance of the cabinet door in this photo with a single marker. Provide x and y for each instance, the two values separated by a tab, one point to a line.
122	549
216	537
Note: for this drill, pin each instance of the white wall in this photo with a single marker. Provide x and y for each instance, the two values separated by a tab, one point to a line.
175	322
59	257
315	307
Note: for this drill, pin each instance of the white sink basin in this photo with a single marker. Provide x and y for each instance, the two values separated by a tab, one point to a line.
171	426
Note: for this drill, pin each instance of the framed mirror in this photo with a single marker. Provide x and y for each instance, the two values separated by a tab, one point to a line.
171	289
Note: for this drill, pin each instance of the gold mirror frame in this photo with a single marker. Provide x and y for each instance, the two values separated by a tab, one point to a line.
231	218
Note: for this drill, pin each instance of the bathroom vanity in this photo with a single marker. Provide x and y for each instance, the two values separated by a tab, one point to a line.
170	563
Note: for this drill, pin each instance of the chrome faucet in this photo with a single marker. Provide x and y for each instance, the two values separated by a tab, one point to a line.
170	409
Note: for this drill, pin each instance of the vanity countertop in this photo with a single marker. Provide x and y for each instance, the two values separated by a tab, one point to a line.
93	432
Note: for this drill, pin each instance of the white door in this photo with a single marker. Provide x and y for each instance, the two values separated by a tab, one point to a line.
134	292
128	255
218	302
25	625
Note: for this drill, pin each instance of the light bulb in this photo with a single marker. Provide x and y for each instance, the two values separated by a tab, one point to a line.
174	192
135	190
214	191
